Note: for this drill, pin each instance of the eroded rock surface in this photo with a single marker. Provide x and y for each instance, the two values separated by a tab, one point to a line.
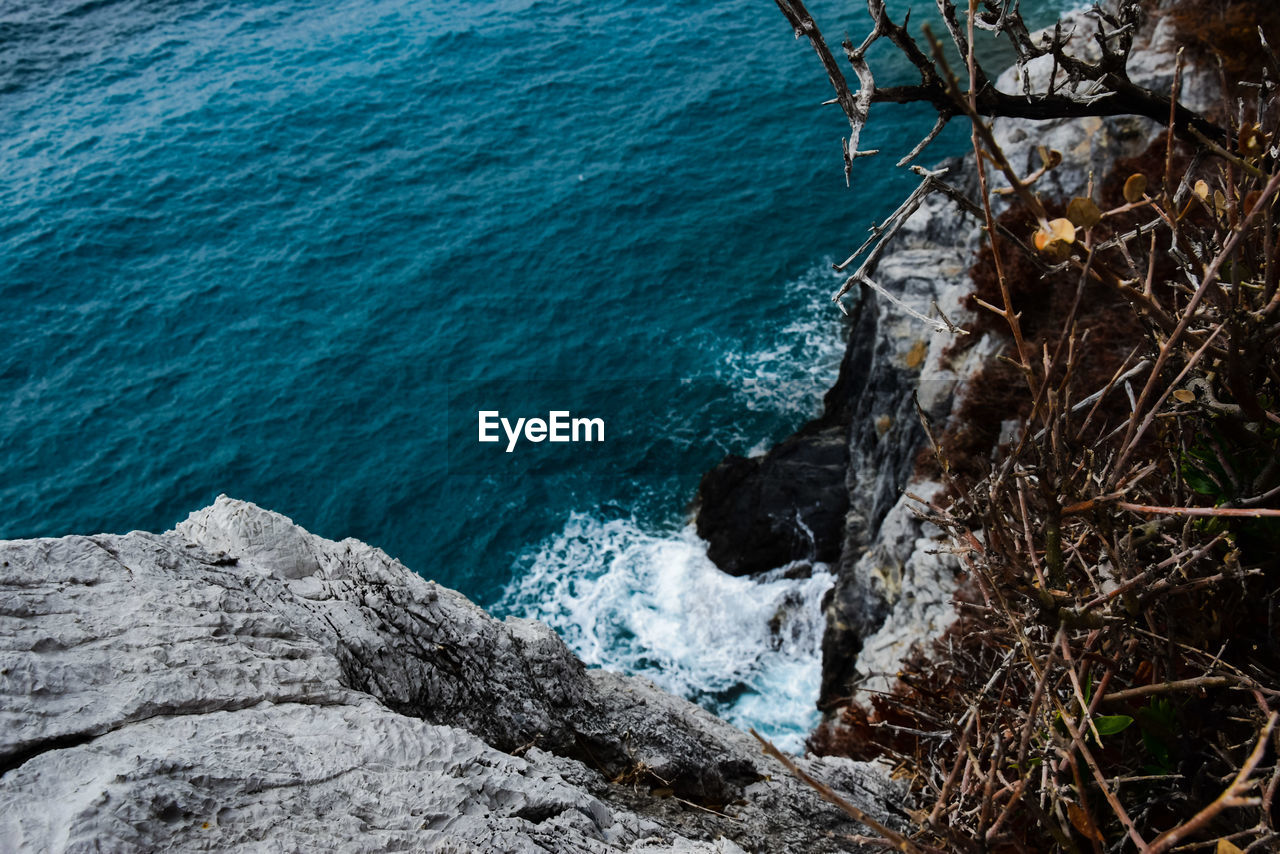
239	683
894	363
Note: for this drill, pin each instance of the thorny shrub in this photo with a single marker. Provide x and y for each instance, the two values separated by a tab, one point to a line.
1113	680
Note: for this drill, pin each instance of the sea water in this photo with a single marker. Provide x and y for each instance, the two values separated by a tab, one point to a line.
287	249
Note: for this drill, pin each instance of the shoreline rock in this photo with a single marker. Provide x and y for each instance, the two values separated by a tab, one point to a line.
760	513
240	682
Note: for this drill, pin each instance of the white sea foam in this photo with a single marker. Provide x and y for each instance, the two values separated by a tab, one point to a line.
626	598
655	604
652	603
789	372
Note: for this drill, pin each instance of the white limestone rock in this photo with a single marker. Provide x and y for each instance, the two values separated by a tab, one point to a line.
1091	145
894	361
909	569
241	684
297	777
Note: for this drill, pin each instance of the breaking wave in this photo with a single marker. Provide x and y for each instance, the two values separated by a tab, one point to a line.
655	605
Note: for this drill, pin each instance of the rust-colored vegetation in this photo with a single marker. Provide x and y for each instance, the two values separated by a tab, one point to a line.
1113	481
1113	680
1226	32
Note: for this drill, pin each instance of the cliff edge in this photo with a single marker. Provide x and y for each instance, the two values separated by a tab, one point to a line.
239	683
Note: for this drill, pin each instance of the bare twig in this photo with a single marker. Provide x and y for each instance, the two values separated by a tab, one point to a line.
1231	798
897	840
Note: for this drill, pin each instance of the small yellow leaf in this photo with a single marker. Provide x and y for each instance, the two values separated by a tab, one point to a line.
1227	847
915	357
1219	202
1184	395
1084	213
1052	158
1054	239
1051	242
1252	141
1063	229
1135	187
1202	190
1081	822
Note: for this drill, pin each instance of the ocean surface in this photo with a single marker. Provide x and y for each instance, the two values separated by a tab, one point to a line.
288	249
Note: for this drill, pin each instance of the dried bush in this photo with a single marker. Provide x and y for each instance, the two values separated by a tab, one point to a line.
1224	31
1113	682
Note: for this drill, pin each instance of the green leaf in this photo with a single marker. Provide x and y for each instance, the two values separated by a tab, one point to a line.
1084	213
1159	750
1159	711
1112	724
1200	482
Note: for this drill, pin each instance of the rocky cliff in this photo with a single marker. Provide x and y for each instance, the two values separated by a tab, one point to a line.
238	683
837	490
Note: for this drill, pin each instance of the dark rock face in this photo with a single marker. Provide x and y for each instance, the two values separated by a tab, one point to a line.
822	493
760	513
825	492
876	389
874	394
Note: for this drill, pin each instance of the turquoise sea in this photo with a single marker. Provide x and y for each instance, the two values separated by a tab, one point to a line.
287	249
